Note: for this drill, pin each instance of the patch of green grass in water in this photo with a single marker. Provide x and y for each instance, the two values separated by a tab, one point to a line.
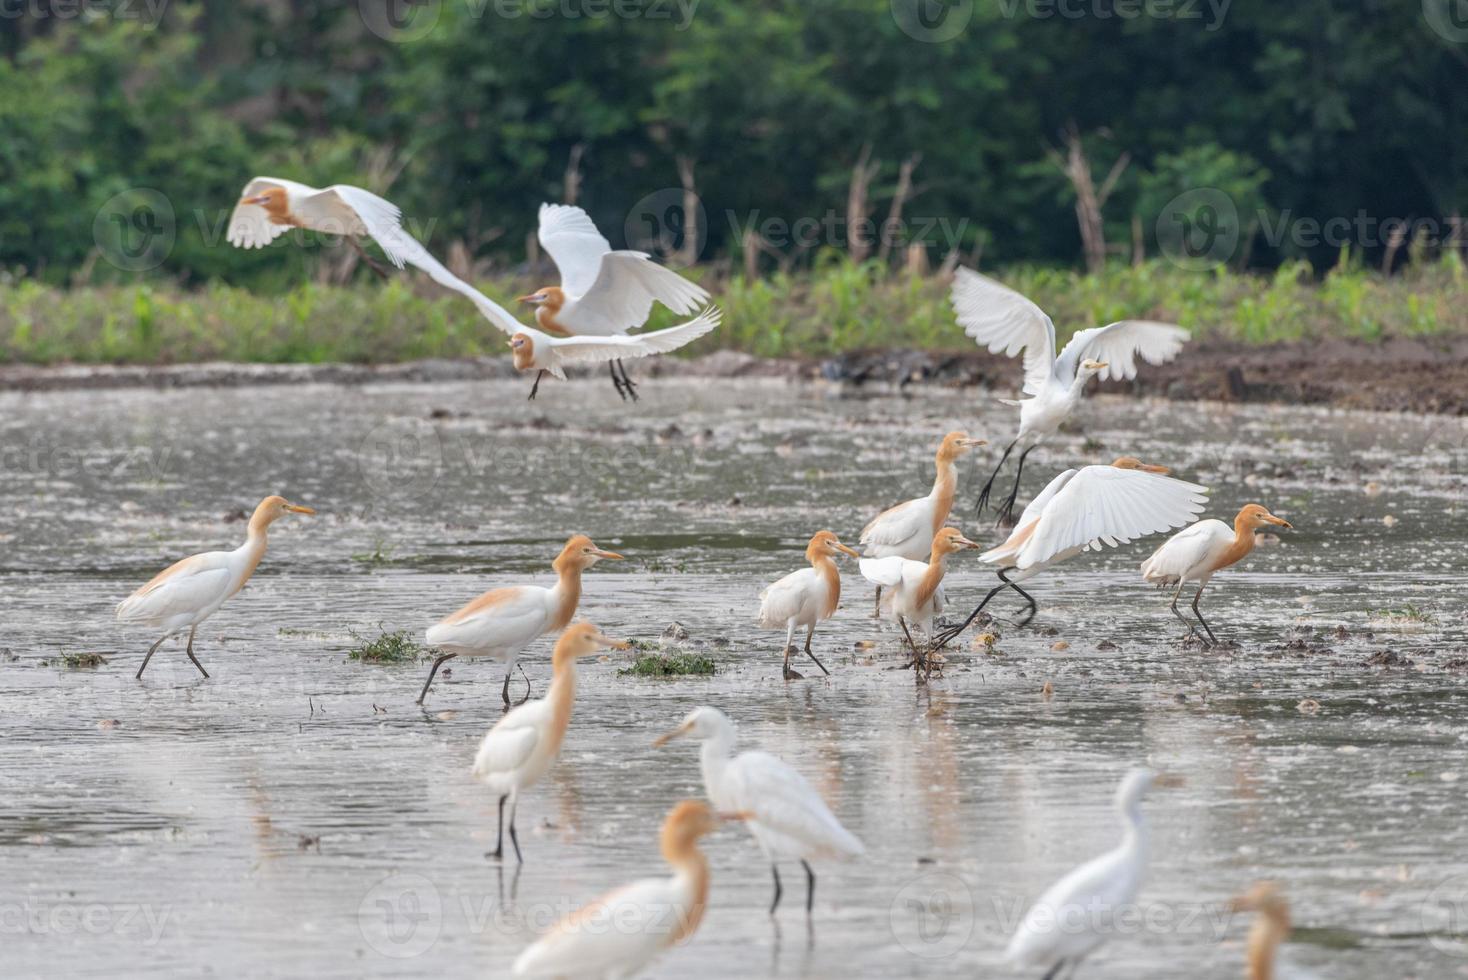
80	661
397	647
669	665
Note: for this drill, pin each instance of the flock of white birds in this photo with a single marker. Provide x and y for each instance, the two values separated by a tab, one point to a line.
604	295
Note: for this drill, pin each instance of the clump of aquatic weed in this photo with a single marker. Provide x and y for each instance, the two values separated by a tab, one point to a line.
80	661
1410	613
676	664
397	647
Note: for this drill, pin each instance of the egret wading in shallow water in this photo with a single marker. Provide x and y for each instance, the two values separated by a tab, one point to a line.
1194	554
1086	509
525	743
916	589
1082	910
189	591
603	292
785	814
618	934
544	354
1007	323
906	531
806	597
502	622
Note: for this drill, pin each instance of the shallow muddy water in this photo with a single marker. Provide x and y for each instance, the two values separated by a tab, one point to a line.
297	814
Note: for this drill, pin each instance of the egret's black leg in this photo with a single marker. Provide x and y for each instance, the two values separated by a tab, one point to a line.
1196	596
810	632
371	263
527	686
434	670
1006	513
1034	607
1054	970
810	887
947	636
513	839
877	611
775	870
536	387
983	500
627	381
1192	630
616	381
151	650
499	833
190	651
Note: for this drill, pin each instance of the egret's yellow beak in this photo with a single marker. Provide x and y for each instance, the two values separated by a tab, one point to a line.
1169	780
261	199
968	544
298	509
664	739
741	815
608	554
1279	521
534	299
973	443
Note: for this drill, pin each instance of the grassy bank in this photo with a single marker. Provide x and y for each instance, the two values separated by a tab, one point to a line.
837	308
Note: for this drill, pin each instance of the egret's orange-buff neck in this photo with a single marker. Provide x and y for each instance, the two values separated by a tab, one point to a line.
1132	463
821	553
688	821
522	349
579	554
1250	519
548	301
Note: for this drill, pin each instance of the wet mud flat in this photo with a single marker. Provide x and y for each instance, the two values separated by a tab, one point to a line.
296	813
1427	375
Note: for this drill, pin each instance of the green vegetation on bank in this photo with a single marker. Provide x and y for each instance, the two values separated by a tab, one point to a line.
837	307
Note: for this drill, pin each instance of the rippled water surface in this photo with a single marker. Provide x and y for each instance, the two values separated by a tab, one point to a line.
297	814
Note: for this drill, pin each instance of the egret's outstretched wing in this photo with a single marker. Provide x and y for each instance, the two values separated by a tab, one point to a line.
569	236
1109	505
1006	323
622	296
383	222
786	804
1119	345
1024	528
250	225
577	350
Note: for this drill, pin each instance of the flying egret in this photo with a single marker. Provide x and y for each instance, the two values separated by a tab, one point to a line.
614	936
1086	509
602	293
906	531
502	622
805	597
189	591
785	814
1270	929
916	587
523	745
1194	554
540	352
1006	323
1081	911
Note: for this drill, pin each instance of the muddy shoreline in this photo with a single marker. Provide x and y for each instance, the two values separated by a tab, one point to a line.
1426	376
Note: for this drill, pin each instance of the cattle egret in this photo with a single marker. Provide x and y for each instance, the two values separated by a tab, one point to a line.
785	814
188	592
618	934
1007	323
523	745
1194	554
502	622
805	597
602	293
916	588
1087	509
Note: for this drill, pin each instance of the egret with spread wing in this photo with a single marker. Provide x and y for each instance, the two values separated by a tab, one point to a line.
785	814
1084	510
1007	323
602	292
188	592
915	589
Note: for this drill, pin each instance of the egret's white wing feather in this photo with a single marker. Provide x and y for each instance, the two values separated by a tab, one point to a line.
1119	345
569	236
610	936
186	586
885	572
1005	322
898	525
249	224
785	599
622	296
786	805
1110	505
1186	550
578	350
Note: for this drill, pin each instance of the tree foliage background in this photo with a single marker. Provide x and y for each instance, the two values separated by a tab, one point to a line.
1313	108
